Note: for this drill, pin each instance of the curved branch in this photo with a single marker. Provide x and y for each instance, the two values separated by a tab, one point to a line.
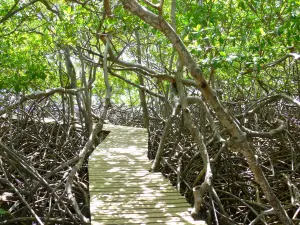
198	100
160	151
40	95
137	85
12	13
138	68
165	77
261	103
268	65
155	6
270	134
243	202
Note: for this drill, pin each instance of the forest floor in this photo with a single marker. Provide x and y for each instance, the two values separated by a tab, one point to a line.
39	156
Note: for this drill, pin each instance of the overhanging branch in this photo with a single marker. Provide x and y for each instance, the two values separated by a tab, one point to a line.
40	95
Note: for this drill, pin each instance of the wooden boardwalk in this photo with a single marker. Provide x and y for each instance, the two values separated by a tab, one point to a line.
123	191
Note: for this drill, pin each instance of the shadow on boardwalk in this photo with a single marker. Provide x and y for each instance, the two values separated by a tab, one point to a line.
123	191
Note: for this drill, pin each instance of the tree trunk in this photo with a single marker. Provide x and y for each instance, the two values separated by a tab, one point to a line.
141	80
199	190
159	153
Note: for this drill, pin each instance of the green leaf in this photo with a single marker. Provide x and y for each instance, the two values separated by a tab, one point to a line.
222	54
242	5
197	28
262	32
2	211
186	38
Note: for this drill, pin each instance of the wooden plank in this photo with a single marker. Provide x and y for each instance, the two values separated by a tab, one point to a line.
124	158
130	180
147	222
172	195
131	216
105	165
140	205
146	212
95	197
99	161
139	222
123	179
134	202
134	189
138	174
156	221
124	184
161	218
100	165
117	170
127	164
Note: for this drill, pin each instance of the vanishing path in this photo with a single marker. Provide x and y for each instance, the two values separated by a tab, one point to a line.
123	191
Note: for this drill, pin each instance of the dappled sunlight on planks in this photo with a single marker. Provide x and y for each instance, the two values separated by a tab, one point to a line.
123	191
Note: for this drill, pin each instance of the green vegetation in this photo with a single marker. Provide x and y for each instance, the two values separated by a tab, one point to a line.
201	76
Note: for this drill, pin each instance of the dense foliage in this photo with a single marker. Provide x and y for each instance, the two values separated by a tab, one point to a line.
73	60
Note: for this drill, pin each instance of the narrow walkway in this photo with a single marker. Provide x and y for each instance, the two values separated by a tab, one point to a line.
122	191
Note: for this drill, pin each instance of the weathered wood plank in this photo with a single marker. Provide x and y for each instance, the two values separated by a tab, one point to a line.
134	189
133	202
125	185
122	178
182	218
100	166
166	195
175	216
141	205
141	176
117	170
123	212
